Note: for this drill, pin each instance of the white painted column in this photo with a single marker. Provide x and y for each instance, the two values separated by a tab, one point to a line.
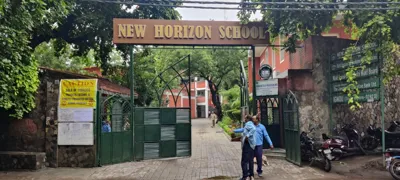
181	96
206	98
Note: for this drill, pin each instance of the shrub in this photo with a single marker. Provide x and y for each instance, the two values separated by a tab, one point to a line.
226	120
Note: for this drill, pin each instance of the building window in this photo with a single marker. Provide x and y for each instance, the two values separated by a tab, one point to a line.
201	93
273	58
282	50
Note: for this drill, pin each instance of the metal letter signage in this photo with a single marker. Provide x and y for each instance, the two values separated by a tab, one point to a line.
265	72
176	32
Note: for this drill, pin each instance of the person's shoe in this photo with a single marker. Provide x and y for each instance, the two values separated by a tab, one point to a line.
259	174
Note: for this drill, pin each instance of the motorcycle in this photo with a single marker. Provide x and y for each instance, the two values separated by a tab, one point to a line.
393	162
314	153
346	145
374	136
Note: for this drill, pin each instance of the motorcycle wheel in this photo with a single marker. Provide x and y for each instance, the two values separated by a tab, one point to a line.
327	164
394	169
369	143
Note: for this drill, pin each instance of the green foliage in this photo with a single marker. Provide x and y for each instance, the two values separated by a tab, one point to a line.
295	25
47	56
226	120
18	68
228	125
89	26
219	67
232	108
379	27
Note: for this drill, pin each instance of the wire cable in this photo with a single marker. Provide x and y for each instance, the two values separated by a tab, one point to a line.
260	8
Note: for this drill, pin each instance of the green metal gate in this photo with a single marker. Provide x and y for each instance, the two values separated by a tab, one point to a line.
270	118
162	133
292	128
115	146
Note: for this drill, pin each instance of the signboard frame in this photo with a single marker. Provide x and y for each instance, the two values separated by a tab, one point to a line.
271	88
182	32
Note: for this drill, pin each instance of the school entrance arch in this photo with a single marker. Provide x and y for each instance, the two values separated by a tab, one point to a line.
166	132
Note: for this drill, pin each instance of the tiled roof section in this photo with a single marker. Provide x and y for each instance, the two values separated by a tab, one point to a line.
104	83
95	70
107	85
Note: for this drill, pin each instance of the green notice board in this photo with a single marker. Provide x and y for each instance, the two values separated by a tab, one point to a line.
368	81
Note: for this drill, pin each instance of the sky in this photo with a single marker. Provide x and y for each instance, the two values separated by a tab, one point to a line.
212	14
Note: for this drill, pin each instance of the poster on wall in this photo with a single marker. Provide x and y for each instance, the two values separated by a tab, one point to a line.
78	93
267	87
75	134
75	114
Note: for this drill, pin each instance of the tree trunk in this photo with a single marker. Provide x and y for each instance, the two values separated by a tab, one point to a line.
215	99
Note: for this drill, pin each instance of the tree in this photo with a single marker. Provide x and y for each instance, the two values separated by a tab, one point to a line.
232	108
220	68
89	26
144	71
47	56
379	26
85	25
18	69
296	25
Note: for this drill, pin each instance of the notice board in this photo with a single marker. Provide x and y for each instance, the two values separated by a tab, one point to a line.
75	134
78	93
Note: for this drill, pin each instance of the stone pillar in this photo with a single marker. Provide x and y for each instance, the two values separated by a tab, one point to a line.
51	146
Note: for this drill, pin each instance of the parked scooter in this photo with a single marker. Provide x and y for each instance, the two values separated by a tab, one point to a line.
346	145
314	153
374	136
393	162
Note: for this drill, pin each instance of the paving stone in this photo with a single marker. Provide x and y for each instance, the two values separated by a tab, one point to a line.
212	155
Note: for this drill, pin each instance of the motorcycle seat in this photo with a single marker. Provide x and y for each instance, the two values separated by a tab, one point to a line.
393	133
393	150
340	137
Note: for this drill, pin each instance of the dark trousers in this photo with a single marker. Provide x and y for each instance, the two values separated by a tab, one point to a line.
247	160
258	152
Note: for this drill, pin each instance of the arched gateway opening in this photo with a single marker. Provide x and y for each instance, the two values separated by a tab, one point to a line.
163	132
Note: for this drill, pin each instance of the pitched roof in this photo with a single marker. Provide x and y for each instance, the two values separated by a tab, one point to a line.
104	83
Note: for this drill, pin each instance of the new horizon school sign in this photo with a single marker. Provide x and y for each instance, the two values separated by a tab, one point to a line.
175	32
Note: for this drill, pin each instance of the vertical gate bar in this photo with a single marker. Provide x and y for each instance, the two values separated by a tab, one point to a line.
241	96
98	129
132	85
253	49
382	94
330	101
190	105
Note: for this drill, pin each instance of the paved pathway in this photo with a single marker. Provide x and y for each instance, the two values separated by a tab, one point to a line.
212	156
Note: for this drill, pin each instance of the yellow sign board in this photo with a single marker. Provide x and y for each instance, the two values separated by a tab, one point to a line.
78	93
